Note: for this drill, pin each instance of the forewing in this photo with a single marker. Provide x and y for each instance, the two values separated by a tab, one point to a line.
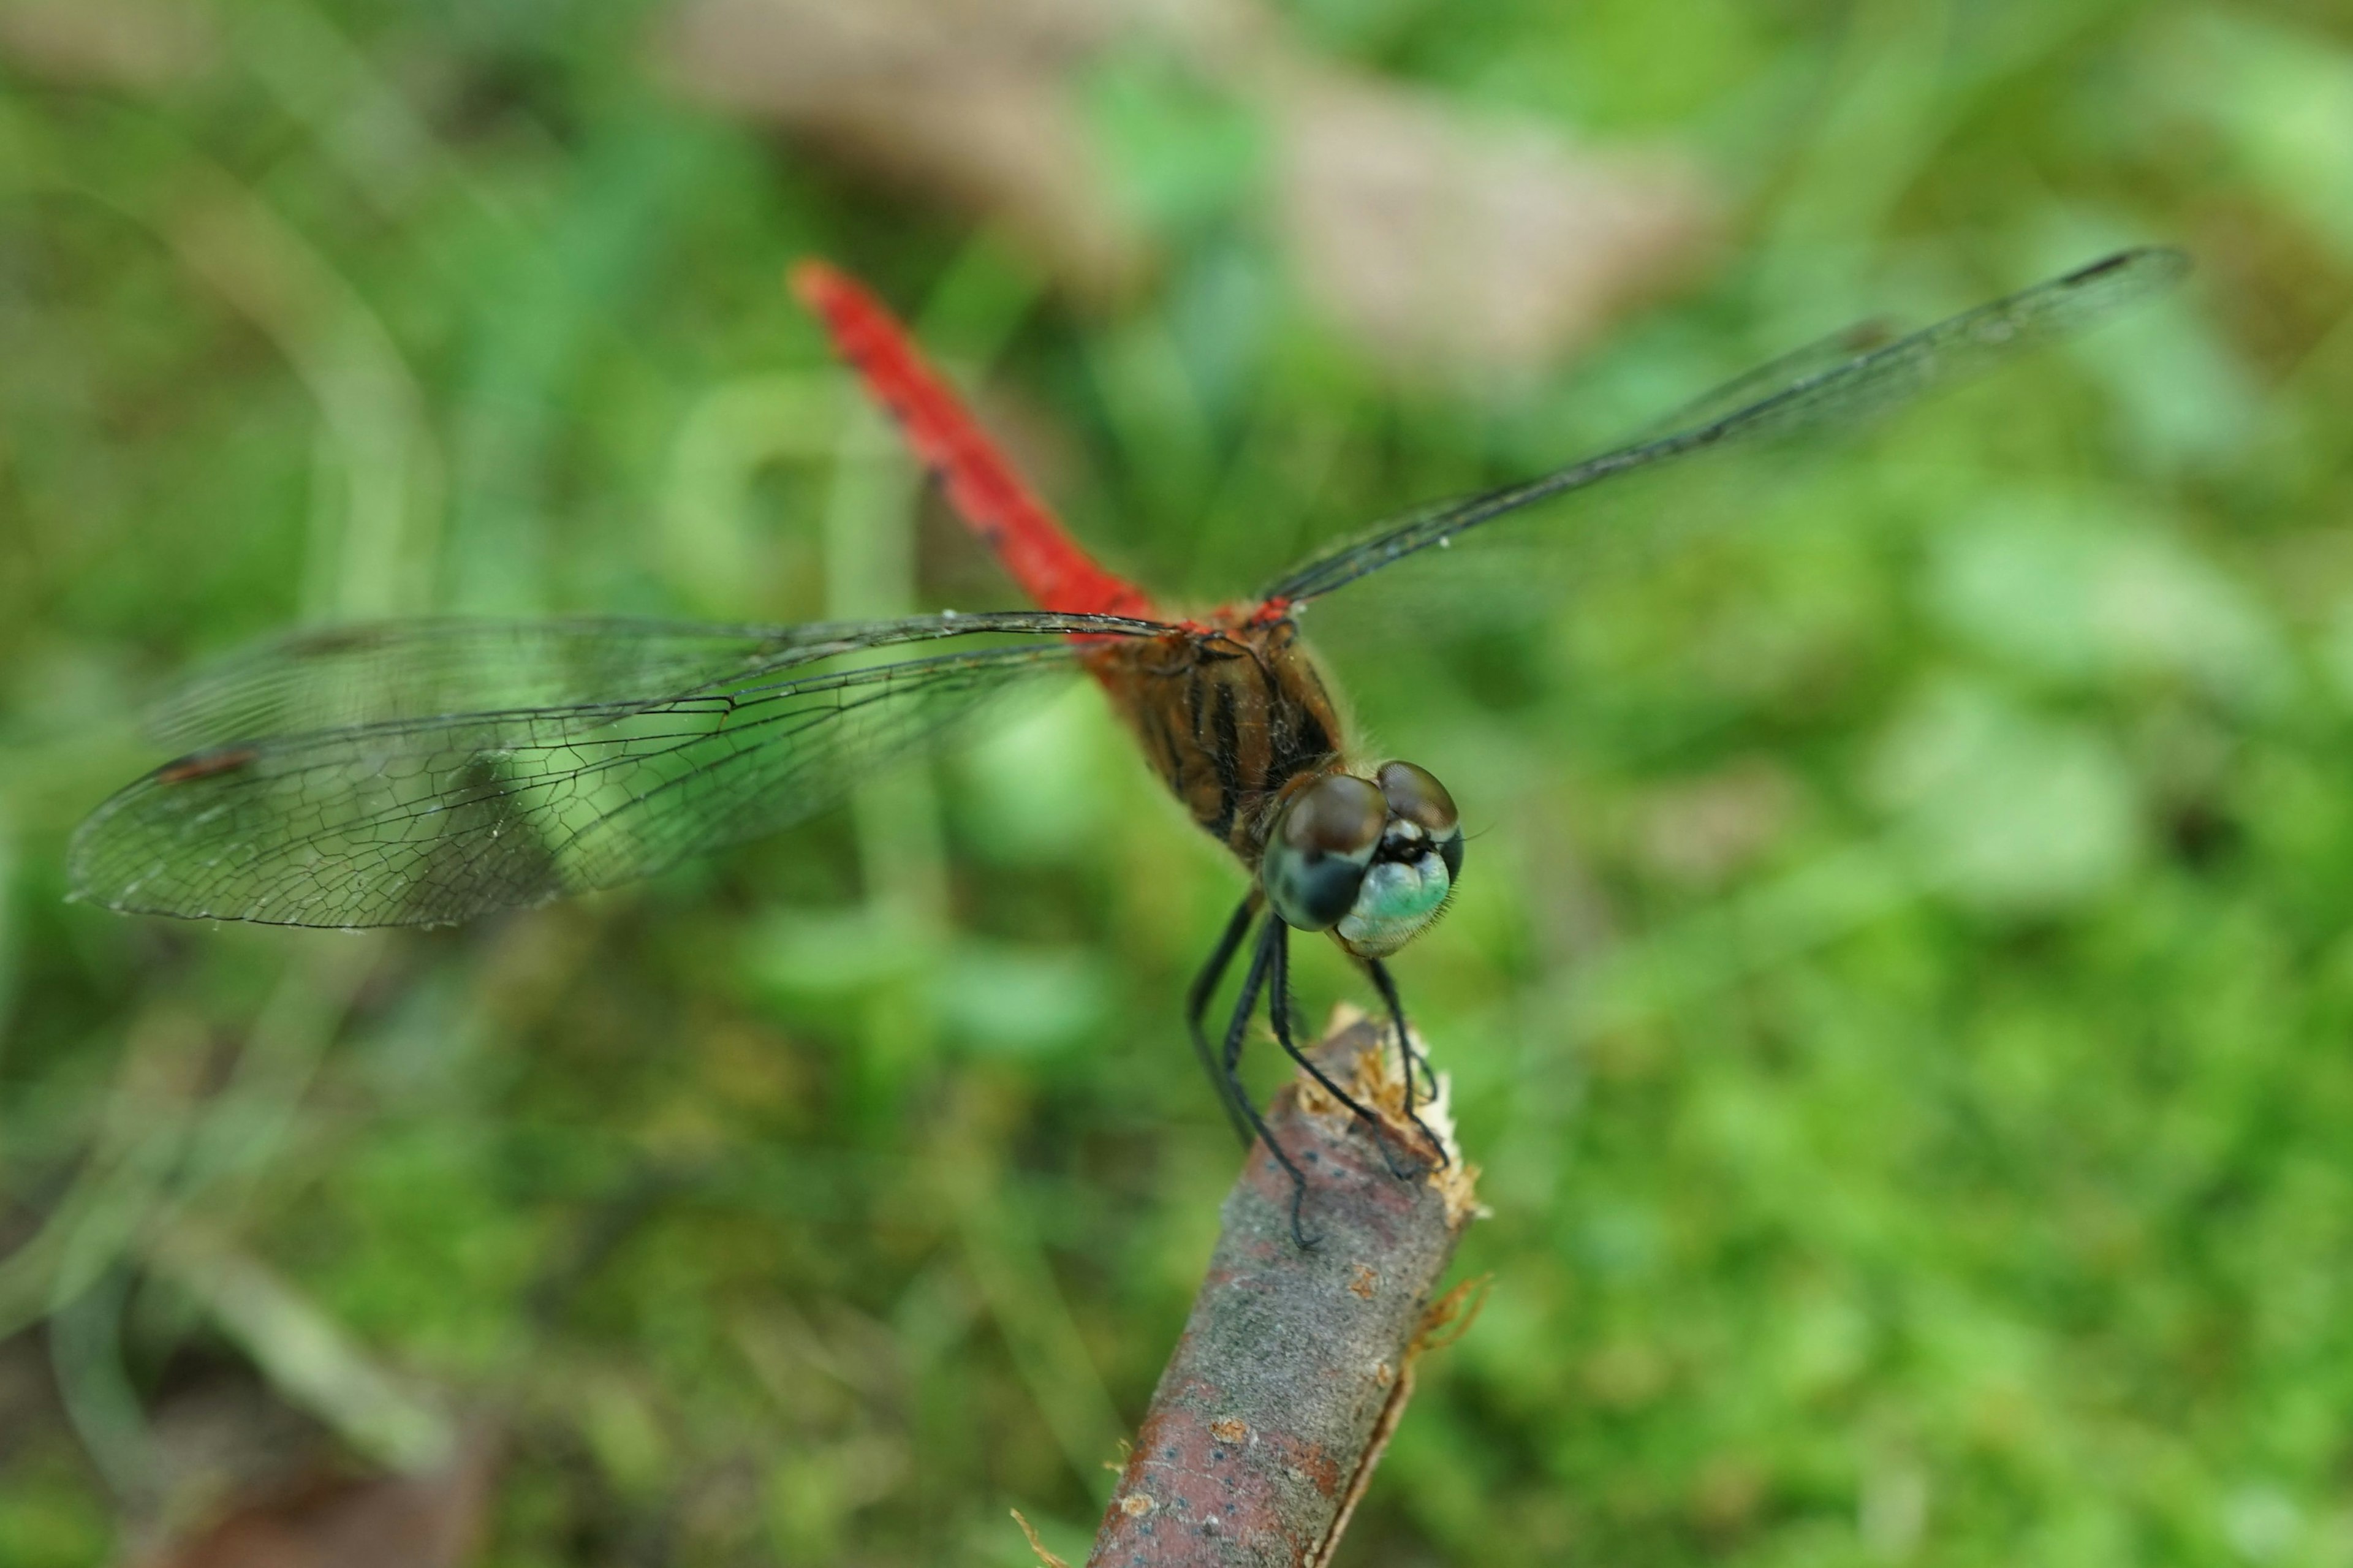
434	819
1750	386
378	672
1813	395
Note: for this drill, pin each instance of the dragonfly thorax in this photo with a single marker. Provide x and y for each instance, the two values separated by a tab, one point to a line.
1234	715
1373	861
1236	719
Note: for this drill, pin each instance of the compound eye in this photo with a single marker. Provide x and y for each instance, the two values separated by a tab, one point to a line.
1417	798
1316	855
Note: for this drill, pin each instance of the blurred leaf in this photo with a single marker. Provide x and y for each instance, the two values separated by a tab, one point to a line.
2075	597
1015	1001
845	953
1180	153
136	45
1460	247
1099	134
47	1518
2007	811
1034	787
2283	99
1704	830
963	104
306	1354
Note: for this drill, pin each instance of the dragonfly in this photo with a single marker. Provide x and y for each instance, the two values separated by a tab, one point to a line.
426	771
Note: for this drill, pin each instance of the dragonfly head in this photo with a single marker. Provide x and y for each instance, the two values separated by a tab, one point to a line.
1373	861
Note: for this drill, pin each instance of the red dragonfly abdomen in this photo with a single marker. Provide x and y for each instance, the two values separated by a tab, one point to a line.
1230	712
981	486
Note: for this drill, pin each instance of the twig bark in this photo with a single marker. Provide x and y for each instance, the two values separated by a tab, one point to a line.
1296	1365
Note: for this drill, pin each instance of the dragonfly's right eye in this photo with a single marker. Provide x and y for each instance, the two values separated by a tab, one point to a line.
1317	854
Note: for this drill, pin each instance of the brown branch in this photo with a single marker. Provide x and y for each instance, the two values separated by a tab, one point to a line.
1295	1365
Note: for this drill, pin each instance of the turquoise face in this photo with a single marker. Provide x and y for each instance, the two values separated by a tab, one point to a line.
1373	861
1395	901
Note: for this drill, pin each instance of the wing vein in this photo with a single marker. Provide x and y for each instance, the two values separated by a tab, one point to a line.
1868	382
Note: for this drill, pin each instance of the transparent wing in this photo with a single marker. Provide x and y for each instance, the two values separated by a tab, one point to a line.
1798	364
1811	393
431	818
372	672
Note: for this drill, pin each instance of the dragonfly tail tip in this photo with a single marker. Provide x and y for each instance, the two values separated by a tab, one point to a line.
813	281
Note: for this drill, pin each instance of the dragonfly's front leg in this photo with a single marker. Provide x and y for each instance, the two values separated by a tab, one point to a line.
1278	939
1236	1028
1196	1006
1411	1058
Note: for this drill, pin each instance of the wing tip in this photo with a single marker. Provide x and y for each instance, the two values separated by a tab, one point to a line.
2157	265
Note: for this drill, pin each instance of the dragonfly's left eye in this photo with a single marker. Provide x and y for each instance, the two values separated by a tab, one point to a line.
1317	854
1415	795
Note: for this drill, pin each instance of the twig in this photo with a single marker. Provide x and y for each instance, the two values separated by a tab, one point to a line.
1296	1365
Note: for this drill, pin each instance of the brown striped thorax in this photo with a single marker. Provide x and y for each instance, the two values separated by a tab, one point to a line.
1237	721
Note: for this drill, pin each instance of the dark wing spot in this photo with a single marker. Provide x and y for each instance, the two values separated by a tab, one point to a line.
205	764
2105	264
326	640
488	834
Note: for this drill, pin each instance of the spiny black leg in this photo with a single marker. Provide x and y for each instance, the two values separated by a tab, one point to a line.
1278	937
1196	1004
1387	988
1244	1006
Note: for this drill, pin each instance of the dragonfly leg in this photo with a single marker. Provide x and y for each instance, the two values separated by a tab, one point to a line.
1244	1006
1278	941
1412	1059
1197	1004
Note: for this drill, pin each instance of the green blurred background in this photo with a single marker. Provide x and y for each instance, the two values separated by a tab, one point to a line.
1900	990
